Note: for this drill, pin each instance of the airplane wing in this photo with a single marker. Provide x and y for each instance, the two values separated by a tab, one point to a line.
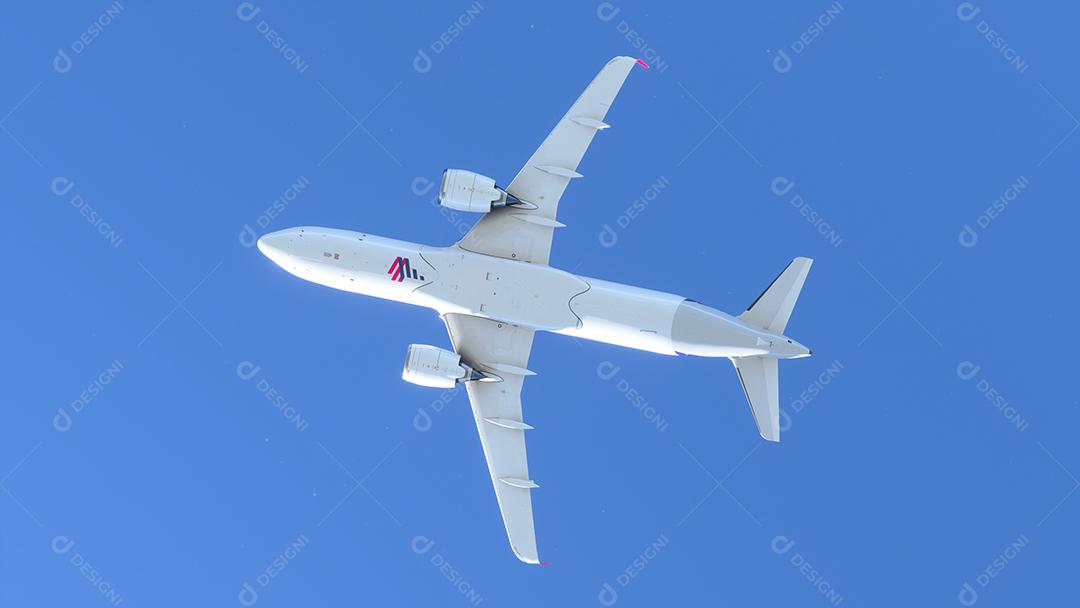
502	349
520	234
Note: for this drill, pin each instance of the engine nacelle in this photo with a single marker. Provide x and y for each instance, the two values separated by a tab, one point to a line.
433	366
474	193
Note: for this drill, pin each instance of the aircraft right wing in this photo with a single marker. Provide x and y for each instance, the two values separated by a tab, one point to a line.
502	349
520	234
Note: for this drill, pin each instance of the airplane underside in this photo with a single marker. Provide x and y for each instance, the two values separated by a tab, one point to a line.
494	289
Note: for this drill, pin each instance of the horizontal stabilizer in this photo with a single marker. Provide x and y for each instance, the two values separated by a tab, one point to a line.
772	309
762	387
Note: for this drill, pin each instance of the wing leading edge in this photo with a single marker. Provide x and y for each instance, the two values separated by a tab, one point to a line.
525	235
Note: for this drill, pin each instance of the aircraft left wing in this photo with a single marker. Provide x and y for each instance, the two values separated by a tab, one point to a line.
501	349
525	234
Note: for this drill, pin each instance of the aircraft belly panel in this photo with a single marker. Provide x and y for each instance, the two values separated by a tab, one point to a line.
532	295
626	316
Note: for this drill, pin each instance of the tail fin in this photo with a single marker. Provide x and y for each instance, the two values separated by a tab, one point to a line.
772	309
762	387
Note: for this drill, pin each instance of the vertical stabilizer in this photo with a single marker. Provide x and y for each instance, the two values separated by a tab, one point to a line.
772	309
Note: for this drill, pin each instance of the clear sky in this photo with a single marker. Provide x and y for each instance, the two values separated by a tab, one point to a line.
186	424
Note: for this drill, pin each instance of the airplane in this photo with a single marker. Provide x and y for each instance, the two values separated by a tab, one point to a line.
494	289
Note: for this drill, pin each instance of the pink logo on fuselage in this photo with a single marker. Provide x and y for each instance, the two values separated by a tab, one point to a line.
400	269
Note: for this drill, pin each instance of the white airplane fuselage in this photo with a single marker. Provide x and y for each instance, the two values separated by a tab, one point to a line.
454	280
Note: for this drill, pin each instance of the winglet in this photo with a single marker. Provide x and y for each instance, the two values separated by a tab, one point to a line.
643	64
528	558
544	563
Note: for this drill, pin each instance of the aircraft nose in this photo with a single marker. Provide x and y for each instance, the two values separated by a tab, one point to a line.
266	244
275	245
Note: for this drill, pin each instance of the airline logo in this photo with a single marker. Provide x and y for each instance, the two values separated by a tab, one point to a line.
401	269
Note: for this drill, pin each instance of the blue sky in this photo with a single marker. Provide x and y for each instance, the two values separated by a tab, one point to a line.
188	424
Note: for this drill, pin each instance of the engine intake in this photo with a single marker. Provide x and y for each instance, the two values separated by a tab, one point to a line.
474	193
432	366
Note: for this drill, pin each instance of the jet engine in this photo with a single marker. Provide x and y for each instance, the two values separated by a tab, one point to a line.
474	193
433	366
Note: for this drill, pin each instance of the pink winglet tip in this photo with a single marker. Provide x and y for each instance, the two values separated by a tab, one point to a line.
642	63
